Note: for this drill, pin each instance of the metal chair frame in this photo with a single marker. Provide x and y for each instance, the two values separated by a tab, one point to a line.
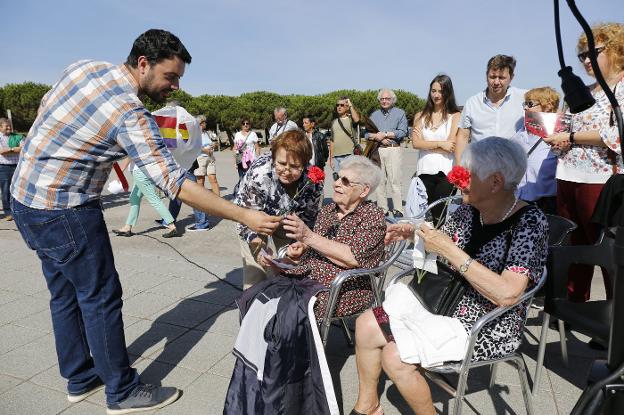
462	368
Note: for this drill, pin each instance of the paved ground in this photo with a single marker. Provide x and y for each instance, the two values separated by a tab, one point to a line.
181	325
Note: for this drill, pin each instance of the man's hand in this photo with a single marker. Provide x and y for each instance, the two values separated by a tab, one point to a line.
260	222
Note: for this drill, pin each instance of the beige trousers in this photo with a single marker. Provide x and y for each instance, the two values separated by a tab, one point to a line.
391	163
253	272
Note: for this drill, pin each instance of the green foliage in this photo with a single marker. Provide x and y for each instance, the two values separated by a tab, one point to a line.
23	100
227	111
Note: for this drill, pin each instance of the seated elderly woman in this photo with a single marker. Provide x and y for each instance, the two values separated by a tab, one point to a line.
276	183
349	233
499	271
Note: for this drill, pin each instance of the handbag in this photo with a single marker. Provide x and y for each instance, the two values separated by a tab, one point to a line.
441	293
357	148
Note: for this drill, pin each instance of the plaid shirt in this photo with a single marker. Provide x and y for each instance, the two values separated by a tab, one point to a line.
91	117
8	158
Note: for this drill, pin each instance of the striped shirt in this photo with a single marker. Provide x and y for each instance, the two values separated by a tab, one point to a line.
91	117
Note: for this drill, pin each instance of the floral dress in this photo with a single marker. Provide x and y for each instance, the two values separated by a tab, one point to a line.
363	230
260	189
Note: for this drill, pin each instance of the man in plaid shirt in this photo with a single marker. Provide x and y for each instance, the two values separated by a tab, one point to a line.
91	117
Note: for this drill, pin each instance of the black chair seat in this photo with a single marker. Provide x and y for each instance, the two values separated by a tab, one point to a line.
592	318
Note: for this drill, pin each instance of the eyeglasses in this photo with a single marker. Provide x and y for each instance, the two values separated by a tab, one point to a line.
282	167
345	181
584	55
385	99
341	105
531	104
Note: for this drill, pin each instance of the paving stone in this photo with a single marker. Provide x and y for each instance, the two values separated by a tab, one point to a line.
41	321
8	383
51	379
226	322
30	359
83	408
187	313
144	305
28	398
196	350
24	307
206	395
217	292
8	296
146	337
165	374
12	336
177	287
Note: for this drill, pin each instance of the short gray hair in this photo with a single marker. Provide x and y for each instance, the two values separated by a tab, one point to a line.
390	92
496	154
280	109
200	118
366	172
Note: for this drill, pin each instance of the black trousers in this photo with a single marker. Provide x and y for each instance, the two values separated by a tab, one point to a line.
437	187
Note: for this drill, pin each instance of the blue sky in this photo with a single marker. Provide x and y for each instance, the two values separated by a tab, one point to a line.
303	47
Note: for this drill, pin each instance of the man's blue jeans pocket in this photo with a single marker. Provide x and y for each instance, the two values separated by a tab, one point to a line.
52	238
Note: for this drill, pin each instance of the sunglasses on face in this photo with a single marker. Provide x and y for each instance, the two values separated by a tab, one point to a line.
245	123
530	104
584	55
341	105
345	181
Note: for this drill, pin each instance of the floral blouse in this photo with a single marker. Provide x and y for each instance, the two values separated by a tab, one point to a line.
592	164
521	249
363	230
260	189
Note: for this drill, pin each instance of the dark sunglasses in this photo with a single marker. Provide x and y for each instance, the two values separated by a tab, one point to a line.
341	105
245	123
530	104
584	55
345	181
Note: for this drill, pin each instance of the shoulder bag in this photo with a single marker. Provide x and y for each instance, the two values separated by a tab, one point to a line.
357	148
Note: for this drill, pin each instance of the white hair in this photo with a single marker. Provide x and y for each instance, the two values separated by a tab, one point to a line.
365	171
390	92
200	118
496	154
277	110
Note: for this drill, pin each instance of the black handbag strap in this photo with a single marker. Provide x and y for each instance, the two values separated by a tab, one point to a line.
539	139
349	134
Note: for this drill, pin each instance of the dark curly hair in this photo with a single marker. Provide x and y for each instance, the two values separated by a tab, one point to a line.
157	45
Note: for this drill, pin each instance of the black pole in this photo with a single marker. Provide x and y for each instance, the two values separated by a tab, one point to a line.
593	397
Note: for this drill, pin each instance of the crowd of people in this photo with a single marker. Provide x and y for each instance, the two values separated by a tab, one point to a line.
497	239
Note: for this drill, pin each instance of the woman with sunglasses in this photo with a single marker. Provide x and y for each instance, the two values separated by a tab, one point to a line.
276	182
246	147
433	133
348	233
590	154
538	186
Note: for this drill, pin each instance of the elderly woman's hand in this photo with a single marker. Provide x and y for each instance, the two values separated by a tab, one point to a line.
435	241
296	228
295	250
398	232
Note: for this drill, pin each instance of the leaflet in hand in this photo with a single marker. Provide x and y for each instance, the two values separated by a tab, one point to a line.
277	262
544	124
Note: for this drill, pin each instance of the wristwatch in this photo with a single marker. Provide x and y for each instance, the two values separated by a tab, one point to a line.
463	268
571	138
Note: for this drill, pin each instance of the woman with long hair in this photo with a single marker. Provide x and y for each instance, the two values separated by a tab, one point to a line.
434	135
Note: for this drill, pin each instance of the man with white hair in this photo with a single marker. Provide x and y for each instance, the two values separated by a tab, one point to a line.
391	123
282	123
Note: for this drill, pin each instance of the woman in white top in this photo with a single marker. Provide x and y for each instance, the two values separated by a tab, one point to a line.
246	147
434	135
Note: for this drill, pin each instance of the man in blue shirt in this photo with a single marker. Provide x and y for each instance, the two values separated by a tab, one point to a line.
497	111
392	125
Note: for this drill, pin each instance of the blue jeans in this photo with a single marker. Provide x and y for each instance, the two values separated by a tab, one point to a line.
201	220
77	262
6	175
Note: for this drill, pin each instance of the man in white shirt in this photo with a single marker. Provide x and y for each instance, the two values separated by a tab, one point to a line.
282	123
497	111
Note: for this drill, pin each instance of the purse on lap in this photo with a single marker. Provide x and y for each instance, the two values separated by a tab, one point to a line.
441	293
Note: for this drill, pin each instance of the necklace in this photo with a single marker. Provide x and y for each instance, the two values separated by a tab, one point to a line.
506	213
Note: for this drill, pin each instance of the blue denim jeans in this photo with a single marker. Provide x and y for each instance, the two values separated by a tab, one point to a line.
6	175
201	220
77	262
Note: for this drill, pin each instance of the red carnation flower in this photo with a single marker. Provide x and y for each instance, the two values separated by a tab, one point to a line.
459	177
316	175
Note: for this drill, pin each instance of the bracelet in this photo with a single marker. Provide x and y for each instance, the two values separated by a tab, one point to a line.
463	268
571	138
